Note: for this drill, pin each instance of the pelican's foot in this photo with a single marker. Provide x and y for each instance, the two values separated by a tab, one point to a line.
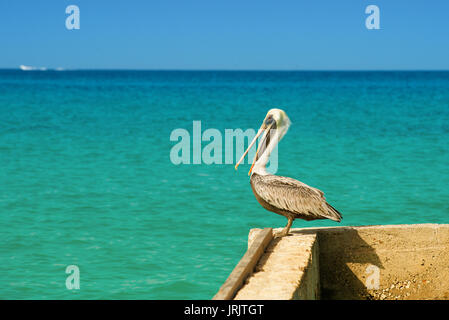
284	231
280	234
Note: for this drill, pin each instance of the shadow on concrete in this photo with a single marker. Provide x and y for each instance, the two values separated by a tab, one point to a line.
341	249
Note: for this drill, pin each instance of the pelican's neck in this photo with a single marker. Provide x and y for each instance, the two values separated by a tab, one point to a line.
260	167
261	163
260	170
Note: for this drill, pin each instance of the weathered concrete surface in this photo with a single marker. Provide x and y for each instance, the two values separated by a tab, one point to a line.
288	270
368	262
246	265
413	262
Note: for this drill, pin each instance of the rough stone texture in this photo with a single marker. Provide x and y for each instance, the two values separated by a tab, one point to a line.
287	270
412	261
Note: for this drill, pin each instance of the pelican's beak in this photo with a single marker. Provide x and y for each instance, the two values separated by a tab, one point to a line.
263	129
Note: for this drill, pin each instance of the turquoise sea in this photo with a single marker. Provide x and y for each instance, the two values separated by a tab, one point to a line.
86	177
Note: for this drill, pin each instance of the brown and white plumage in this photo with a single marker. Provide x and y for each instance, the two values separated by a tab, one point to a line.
283	195
290	197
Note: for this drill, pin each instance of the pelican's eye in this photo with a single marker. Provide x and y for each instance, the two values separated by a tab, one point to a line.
269	120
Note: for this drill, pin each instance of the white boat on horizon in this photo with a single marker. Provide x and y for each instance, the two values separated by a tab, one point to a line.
30	68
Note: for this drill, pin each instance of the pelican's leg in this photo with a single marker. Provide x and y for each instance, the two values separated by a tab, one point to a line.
285	231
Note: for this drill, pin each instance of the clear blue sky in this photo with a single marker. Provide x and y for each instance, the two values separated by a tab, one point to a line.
226	34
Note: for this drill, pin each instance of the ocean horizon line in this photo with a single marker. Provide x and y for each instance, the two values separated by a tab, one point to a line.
46	69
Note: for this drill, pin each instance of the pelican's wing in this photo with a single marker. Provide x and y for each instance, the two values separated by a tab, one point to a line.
294	196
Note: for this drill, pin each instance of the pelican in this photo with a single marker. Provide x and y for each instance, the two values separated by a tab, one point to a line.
283	195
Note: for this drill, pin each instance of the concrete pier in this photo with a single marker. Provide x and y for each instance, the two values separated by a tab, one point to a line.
368	262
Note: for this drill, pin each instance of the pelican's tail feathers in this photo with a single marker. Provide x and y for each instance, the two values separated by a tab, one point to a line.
334	214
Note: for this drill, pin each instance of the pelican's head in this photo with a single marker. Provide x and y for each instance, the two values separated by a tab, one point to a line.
276	121
278	118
